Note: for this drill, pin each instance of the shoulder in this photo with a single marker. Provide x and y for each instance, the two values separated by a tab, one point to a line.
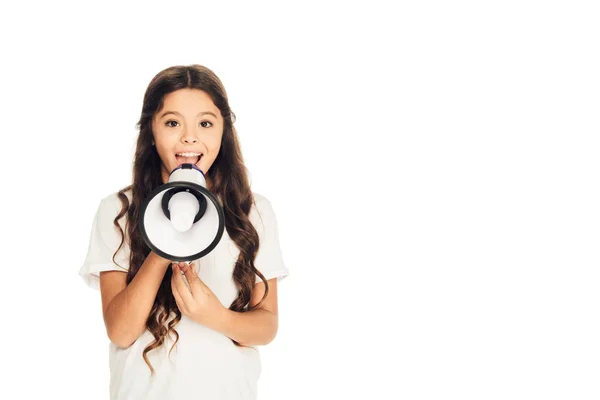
262	205
113	199
262	213
260	200
111	205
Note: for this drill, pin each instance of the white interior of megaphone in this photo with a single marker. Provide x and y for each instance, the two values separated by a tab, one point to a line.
164	233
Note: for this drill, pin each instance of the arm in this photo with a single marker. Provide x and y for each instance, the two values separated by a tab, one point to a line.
256	327
126	308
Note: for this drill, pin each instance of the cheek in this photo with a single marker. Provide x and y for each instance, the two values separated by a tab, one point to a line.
213	149
164	145
164	153
160	150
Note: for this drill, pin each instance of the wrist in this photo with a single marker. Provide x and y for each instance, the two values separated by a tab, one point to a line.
223	320
164	262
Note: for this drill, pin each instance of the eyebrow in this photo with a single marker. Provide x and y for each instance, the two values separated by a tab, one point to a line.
199	114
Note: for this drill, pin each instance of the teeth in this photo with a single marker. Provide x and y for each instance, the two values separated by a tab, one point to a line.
189	154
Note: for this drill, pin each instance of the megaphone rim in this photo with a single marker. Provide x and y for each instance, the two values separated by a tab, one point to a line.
189	185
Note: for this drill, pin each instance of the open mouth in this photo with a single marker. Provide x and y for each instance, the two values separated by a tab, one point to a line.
188	158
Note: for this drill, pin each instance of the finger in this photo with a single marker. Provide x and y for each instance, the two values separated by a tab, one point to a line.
179	263
189	270
184	292
177	296
191	275
197	285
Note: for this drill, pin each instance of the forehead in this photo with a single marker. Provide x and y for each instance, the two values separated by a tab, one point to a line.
188	102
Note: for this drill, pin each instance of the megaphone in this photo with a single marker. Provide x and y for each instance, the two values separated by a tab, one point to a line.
181	220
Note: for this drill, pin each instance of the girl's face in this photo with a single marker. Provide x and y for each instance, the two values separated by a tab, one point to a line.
189	122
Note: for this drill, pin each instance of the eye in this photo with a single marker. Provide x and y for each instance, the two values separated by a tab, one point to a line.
211	124
169	121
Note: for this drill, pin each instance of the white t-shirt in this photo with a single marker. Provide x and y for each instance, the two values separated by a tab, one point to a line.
204	364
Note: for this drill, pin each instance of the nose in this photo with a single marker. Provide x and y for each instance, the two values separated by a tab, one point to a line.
189	136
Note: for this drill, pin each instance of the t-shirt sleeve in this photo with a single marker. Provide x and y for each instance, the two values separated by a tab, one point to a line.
269	258
105	238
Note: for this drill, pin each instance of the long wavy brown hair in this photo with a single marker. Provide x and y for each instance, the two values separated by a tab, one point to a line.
230	184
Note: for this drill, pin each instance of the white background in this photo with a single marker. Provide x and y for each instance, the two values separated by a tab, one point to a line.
433	166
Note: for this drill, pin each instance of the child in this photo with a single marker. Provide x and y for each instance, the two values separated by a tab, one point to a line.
186	332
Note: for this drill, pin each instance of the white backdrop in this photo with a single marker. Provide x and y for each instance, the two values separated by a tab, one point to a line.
433	167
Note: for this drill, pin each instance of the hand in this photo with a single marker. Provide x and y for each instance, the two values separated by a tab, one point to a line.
198	303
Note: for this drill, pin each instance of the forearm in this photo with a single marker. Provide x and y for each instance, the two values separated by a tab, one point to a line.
250	328
128	311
